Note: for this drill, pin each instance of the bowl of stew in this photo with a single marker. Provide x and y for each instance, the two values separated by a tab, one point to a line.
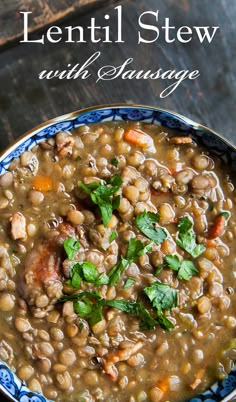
117	250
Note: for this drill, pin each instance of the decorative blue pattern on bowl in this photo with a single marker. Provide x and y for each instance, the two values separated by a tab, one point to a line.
14	388
7	379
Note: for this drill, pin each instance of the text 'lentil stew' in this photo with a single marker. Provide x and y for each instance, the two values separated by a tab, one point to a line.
117	274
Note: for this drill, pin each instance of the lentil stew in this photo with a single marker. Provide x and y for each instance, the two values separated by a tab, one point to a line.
117	274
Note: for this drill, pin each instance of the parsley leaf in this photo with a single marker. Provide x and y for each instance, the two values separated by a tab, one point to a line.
71	246
102	279
211	207
83	308
147	321
89	271
96	314
90	187
129	283
124	305
161	295
164	322
187	238
113	236
159	268
87	305
114	161
117	181
75	280
146	223
86	271
95	296
186	269
102	194
135	249
116	272
184	224
89	308
173	262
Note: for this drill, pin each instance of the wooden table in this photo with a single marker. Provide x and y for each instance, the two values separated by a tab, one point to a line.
26	101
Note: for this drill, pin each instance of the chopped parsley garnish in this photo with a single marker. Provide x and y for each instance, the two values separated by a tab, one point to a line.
135	250
113	236
116	272
71	246
90	306
146	222
115	161
187	238
129	283
80	326
162	297
77	296
136	309
186	269
147	321
225	214
76	279
164	322
173	262
102	195
159	268
87	272
124	305
211	207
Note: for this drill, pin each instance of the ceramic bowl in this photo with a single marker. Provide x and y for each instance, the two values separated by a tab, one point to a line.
10	385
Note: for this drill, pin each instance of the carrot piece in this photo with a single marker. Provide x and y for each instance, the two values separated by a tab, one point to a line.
163	384
42	183
135	137
217	228
139	138
210	244
164	247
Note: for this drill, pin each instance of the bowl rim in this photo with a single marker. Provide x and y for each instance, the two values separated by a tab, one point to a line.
76	113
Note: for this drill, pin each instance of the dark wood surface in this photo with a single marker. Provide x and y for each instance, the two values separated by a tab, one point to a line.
43	12
25	101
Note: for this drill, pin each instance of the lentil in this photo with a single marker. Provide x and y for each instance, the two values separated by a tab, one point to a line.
7	302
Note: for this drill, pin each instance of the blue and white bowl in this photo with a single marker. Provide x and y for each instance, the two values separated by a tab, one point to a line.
10	385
